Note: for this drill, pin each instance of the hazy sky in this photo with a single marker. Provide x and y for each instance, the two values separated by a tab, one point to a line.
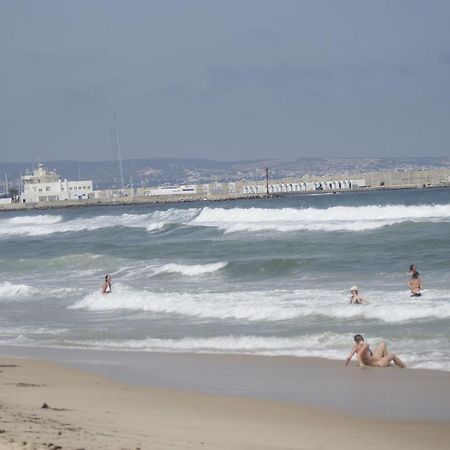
224	79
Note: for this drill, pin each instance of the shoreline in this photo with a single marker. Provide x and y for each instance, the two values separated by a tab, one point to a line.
148	200
411	394
89	411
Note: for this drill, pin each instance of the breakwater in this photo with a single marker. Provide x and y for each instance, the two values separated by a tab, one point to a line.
250	189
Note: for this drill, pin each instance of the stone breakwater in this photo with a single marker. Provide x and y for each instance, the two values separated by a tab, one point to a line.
371	181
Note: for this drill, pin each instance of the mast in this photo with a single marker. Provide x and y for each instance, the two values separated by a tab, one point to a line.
118	152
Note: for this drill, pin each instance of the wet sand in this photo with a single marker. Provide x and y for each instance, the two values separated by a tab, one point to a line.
406	394
90	411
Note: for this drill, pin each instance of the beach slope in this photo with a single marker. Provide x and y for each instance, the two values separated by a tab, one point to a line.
44	405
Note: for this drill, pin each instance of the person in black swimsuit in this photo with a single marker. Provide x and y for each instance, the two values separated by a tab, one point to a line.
380	357
415	285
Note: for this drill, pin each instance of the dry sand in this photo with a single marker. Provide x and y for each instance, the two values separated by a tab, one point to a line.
90	412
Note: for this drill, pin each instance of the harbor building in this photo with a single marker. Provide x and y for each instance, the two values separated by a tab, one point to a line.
287	186
46	186
172	190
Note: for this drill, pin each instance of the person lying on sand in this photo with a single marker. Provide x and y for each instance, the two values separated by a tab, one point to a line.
106	286
415	284
355	298
380	357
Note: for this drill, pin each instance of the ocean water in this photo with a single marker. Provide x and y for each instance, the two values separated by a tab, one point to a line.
268	277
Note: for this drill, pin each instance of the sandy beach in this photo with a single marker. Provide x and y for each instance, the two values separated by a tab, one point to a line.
90	411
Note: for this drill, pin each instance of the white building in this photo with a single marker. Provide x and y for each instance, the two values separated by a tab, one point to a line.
46	186
172	190
323	185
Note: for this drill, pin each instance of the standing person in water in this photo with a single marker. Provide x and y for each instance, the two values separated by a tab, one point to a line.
413	269
415	284
106	286
380	357
355	298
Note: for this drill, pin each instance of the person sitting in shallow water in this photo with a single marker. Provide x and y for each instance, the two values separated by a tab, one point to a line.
355	298
380	357
106	286
415	285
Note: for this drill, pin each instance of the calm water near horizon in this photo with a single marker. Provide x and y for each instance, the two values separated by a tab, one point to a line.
267	277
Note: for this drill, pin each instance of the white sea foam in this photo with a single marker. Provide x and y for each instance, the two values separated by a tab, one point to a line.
43	219
17	292
236	305
309	345
324	345
10	291
155	226
269	306
29	225
49	224
190	270
339	218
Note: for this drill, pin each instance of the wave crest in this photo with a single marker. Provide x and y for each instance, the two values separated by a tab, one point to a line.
269	306
338	218
191	270
10	291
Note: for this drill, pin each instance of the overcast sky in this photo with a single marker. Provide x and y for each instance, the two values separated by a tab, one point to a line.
224	79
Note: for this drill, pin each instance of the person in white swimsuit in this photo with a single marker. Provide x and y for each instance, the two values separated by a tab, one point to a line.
106	286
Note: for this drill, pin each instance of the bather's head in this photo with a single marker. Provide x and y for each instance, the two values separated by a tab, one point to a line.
358	338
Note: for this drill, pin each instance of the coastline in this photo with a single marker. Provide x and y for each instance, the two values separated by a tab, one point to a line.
89	411
157	200
397	394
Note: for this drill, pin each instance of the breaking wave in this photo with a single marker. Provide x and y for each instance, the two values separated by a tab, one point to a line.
49	224
271	306
190	270
9	291
339	218
327	345
261	345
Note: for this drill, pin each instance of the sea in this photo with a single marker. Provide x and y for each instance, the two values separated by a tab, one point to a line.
257	277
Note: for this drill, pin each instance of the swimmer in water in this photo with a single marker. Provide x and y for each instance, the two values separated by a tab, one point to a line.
106	286
355	298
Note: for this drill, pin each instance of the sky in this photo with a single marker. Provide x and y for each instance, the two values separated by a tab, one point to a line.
224	80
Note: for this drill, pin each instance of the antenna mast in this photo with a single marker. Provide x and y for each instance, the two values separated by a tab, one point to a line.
118	152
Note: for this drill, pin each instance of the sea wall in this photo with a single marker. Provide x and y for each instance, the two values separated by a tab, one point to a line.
237	190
